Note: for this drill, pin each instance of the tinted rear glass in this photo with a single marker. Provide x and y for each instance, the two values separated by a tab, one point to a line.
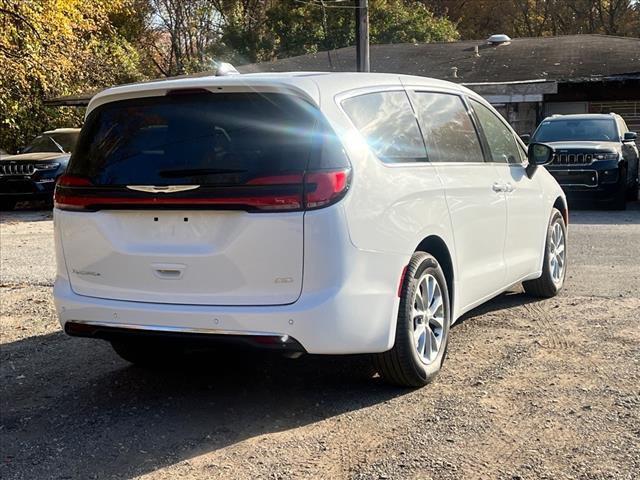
576	130
200	139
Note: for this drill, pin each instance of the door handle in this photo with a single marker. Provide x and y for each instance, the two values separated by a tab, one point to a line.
497	187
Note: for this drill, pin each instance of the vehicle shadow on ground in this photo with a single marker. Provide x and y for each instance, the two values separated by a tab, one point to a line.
72	409
504	301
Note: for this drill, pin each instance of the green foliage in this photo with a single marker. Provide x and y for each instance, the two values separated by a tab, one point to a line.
477	19
297	28
56	47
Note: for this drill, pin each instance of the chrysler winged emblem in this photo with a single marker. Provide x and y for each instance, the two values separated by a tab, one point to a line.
163	188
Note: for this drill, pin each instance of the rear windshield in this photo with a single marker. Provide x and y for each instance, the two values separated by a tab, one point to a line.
566	130
198	139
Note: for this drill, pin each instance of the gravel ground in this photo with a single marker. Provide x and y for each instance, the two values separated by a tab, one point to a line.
531	389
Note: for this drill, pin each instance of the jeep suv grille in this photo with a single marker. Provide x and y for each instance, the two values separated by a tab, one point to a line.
17	168
572	158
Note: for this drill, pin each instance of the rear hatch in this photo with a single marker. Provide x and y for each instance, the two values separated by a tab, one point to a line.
196	197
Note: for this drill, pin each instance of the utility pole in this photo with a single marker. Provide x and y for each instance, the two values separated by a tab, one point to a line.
362	35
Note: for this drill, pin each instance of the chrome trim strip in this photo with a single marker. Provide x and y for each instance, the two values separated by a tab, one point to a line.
164	328
162	189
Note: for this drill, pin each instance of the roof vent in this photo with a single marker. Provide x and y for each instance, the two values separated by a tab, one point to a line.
499	39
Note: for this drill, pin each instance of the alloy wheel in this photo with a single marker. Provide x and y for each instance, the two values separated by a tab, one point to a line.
557	253
428	318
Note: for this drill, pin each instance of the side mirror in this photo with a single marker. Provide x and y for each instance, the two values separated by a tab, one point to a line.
539	154
629	136
525	137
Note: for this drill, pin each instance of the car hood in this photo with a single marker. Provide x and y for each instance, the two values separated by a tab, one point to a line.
594	146
38	157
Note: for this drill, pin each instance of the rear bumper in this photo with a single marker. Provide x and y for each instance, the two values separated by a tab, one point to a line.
356	317
348	302
115	332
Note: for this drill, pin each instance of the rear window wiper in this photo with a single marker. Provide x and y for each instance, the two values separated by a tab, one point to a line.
197	172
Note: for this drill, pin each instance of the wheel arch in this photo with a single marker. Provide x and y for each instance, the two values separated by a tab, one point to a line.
437	247
561	204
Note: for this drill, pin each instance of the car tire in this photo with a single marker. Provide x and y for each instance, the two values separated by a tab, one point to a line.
7	204
619	199
421	340
145	353
552	280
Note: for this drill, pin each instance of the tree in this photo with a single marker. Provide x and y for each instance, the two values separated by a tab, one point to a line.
300	27
477	19
247	31
56	47
247	35
182	35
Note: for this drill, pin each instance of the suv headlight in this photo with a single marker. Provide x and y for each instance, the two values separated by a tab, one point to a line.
47	166
605	156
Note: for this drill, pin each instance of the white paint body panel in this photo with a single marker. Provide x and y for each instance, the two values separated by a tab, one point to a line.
345	261
213	258
526	221
478	221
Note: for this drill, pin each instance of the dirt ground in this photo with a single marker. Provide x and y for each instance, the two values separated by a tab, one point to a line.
530	389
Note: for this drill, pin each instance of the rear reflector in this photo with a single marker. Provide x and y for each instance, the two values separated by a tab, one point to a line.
401	283
292	192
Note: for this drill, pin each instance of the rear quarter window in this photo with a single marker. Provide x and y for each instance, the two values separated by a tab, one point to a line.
387	122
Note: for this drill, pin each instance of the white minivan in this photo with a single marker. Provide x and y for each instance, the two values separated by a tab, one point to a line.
320	213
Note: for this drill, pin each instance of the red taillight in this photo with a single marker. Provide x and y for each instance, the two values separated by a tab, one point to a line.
293	179
63	199
321	188
73	181
325	187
